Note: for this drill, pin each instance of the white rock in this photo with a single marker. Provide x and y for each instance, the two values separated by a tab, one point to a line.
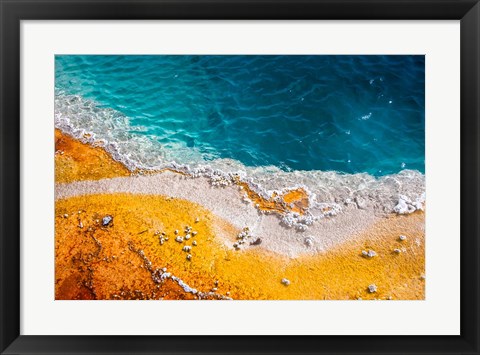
401	207
406	205
309	242
369	253
106	220
361	203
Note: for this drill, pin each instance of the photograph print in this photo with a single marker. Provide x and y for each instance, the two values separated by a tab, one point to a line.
239	177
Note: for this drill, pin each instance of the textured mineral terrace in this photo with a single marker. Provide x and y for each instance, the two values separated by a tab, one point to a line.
172	236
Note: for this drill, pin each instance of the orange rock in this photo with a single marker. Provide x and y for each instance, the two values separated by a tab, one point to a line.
78	161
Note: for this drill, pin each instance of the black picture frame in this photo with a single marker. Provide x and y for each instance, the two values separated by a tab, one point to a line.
12	12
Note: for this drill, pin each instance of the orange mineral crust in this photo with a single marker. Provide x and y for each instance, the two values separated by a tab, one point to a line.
290	201
125	246
75	161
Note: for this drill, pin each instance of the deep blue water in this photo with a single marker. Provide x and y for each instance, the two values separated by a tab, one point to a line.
345	113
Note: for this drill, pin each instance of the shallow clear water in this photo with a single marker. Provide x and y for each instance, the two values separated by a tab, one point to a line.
351	114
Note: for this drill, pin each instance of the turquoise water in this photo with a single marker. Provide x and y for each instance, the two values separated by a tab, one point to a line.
350	114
